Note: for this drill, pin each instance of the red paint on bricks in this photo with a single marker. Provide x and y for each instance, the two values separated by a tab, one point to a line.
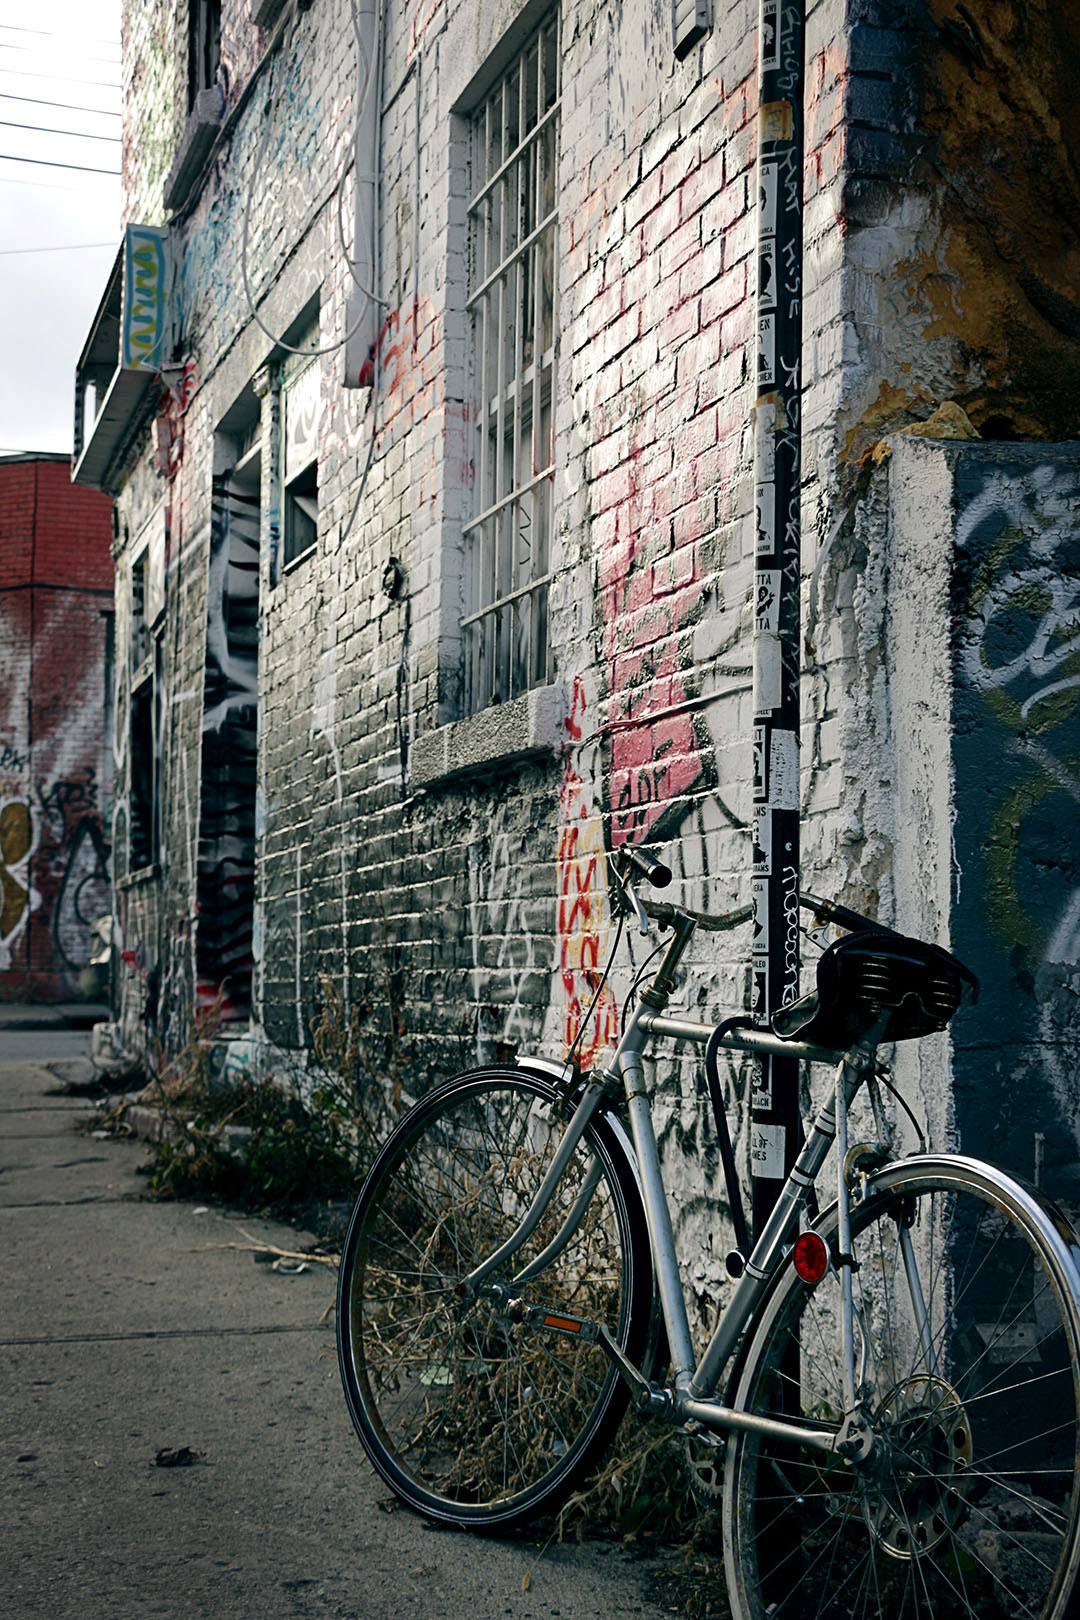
583	921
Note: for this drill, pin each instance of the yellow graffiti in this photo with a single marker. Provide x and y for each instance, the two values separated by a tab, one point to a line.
16	840
1007	909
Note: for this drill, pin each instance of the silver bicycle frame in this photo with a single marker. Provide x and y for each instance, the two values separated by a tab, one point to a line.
695	1384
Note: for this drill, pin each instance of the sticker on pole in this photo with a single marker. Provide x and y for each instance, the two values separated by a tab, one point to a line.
767	1151
784	770
770	35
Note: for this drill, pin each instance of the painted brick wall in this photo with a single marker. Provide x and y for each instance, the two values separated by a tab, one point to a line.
474	908
462	913
55	762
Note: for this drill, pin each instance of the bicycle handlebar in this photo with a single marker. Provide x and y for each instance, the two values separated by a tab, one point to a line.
664	913
646	866
629	861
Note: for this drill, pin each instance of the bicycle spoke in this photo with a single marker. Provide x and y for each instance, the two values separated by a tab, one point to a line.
971	1505
470	1415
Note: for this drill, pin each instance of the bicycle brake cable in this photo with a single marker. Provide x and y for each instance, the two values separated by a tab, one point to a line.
596	993
638	978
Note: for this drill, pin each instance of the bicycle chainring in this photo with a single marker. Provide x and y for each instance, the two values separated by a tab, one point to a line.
703	1460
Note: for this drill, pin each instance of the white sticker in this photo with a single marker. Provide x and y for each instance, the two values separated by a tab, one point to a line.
767	282
765	439
766	365
784	770
759	763
762	840
759	891
770	35
765	498
759	1001
767	1151
767	599
761	1097
769	187
766	673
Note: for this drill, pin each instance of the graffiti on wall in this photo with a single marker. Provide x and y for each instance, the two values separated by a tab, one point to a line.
226	857
1017	752
55	790
583	920
16	846
506	981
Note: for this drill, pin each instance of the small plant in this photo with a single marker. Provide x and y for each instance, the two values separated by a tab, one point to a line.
265	1144
257	1145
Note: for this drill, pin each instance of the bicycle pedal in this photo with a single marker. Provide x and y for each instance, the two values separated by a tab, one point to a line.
540	1316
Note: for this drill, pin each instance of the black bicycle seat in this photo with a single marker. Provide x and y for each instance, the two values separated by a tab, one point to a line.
861	977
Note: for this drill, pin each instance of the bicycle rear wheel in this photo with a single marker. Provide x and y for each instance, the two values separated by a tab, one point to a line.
970	1506
475	1419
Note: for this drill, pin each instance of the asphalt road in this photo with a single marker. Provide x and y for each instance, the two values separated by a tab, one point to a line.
131	1328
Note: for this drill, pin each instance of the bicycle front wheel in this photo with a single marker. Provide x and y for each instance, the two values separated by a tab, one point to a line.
967	1330
474	1414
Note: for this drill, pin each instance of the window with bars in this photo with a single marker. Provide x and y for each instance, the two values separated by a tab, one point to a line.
513	305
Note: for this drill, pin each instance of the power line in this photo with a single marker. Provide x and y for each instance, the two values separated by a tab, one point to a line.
69	106
63	78
38	185
43	129
53	33
38	50
9	157
70	247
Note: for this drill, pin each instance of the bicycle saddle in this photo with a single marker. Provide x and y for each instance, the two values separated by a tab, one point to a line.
866	974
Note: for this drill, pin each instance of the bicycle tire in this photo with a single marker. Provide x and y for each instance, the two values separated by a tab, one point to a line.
472	1419
971	1506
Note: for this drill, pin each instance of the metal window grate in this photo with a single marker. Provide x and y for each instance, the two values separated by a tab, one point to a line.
513	306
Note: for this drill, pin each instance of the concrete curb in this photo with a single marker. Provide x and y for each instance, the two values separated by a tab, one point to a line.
53	1015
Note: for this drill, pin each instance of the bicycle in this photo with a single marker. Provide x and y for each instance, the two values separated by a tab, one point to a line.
888	1407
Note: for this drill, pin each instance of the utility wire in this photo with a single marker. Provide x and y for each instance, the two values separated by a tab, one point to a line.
64	78
8	157
39	50
59	247
53	33
69	106
44	129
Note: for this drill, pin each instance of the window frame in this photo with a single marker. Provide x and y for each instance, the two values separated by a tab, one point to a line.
511	304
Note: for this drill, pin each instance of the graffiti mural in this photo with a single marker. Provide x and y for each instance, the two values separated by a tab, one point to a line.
583	911
226	857
1017	762
16	845
56	769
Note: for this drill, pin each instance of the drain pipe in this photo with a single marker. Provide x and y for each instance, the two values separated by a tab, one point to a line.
777	478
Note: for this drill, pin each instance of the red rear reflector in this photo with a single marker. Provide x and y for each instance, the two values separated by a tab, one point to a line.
811	1257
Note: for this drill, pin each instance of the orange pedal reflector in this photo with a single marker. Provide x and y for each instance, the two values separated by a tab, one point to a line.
562	1324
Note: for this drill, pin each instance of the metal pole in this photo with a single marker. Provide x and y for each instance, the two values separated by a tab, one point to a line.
774	1109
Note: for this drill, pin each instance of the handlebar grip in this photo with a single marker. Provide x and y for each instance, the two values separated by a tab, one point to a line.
647	866
842	916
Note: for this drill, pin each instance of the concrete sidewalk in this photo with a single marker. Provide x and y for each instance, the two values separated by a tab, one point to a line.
51	1015
133	1329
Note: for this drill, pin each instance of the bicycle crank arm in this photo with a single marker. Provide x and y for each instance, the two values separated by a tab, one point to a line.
651	1399
648	1398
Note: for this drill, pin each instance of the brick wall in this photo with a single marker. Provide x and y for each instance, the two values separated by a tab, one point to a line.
452	886
55	761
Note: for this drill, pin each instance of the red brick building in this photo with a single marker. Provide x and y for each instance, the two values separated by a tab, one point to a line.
56	771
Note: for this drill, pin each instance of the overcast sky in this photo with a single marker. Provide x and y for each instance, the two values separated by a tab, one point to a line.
59	225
